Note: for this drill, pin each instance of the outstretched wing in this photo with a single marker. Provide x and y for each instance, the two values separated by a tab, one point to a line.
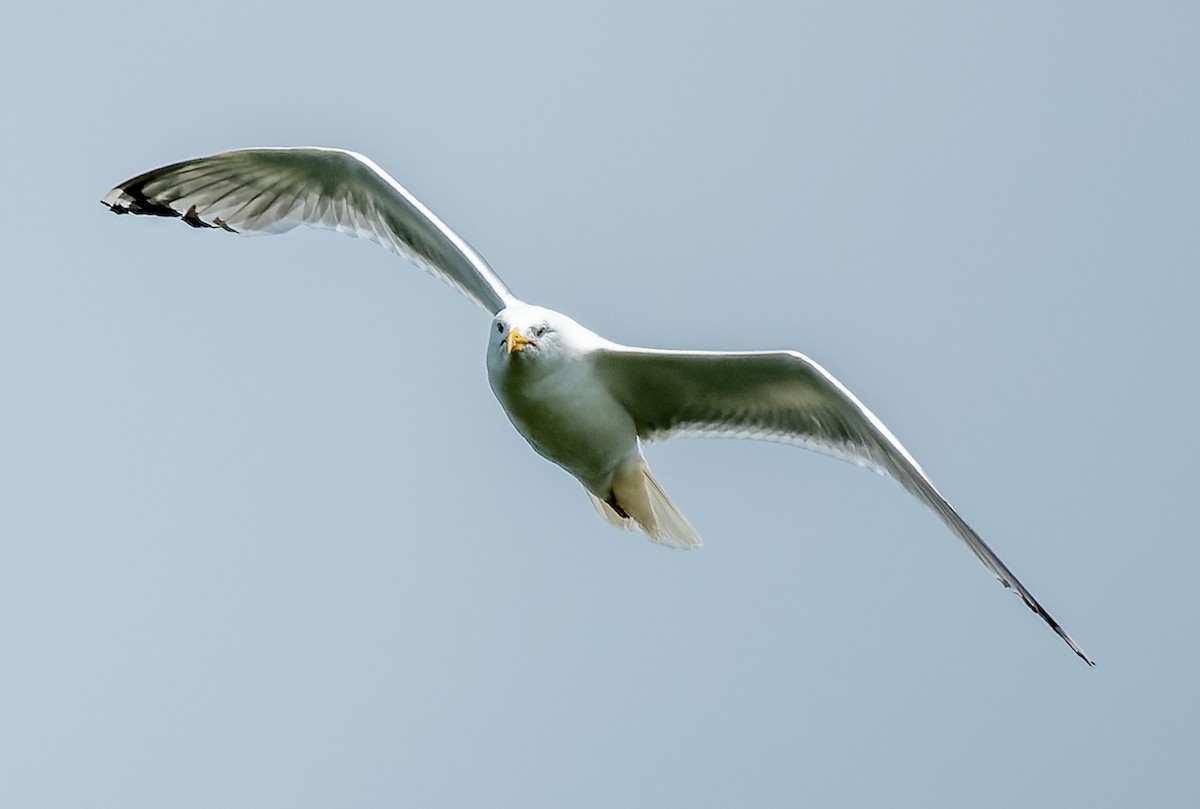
273	190
779	396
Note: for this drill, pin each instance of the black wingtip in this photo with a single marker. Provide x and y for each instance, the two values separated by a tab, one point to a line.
131	199
1062	633
193	219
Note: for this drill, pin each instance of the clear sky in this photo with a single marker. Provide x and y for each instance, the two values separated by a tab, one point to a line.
268	540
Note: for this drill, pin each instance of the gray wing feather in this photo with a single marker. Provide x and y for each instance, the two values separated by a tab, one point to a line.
274	190
786	397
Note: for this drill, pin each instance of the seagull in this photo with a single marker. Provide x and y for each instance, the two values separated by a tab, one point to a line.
581	401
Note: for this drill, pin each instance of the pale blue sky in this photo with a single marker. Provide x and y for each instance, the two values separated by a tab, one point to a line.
268	540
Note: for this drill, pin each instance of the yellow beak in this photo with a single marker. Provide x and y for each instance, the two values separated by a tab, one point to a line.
516	341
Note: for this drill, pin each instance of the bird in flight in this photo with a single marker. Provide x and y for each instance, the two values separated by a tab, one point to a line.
581	401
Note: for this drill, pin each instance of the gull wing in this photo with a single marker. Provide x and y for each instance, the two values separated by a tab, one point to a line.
779	396
274	190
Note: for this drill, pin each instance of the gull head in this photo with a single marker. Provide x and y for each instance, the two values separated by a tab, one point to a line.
522	334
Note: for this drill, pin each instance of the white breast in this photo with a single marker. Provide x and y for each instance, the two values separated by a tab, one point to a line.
566	414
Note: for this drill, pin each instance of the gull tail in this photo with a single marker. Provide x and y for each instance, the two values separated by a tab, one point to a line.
637	501
610	514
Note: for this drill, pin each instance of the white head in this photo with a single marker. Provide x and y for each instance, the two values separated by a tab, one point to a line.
523	334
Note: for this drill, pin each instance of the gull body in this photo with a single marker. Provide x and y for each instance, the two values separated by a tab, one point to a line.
542	366
581	401
540	370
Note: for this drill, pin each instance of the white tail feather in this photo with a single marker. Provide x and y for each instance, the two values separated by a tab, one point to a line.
673	528
668	526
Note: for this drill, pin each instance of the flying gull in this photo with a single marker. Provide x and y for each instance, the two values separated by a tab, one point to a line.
584	402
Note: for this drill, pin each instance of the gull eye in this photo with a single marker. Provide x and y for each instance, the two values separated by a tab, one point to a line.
539	331
500	328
